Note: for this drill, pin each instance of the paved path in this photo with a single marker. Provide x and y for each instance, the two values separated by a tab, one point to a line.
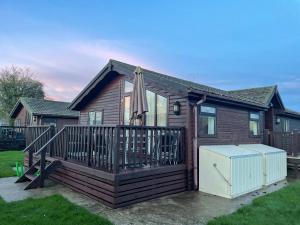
185	208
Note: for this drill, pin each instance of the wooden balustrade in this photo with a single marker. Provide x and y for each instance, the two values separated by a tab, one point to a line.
18	137
288	141
141	146
33	132
111	148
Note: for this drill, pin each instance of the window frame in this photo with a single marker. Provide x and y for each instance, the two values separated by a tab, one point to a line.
95	112
285	124
199	114
256	120
126	94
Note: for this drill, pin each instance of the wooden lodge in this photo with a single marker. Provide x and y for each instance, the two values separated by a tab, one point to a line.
120	164
41	112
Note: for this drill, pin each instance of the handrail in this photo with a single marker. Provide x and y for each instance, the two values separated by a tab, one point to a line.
32	143
149	127
49	142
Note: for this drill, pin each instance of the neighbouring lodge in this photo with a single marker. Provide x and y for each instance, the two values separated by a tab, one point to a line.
118	163
33	112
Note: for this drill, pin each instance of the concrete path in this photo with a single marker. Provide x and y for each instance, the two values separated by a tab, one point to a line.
188	208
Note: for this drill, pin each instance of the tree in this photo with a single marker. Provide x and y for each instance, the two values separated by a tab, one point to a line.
16	82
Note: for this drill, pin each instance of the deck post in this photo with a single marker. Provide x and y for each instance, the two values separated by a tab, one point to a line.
89	146
42	169
30	157
52	133
116	150
65	142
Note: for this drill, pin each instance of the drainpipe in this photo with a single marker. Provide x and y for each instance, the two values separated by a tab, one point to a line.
195	142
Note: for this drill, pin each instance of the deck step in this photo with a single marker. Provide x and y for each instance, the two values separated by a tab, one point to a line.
37	181
37	167
30	176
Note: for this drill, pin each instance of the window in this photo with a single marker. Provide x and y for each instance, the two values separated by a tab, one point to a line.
157	107
17	122
207	121
128	87
254	123
95	118
161	111
126	110
150	115
49	121
285	125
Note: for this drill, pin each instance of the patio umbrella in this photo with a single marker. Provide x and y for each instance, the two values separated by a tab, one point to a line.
139	104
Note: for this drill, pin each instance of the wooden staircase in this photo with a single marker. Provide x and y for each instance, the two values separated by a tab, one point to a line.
42	167
36	176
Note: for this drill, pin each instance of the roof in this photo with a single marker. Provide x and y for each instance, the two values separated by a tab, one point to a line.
263	95
230	151
44	108
167	81
290	113
263	149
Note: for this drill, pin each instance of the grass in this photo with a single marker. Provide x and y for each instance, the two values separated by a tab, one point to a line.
47	211
278	208
8	160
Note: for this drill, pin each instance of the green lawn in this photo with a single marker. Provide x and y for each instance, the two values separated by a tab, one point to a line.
279	208
8	160
53	210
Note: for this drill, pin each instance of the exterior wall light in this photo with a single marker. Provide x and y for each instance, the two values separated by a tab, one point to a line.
176	108
278	120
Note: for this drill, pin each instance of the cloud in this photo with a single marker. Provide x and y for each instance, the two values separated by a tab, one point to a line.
66	67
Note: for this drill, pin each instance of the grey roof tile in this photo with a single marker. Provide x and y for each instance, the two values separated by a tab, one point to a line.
48	107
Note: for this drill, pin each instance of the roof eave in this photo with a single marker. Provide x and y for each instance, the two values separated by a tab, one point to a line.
107	68
224	99
54	115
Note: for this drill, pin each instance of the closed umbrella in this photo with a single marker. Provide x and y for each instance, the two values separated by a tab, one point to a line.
139	104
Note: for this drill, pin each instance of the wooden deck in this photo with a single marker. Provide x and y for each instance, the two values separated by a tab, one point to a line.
117	165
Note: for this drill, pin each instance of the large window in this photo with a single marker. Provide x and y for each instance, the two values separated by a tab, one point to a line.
126	110
207	121
157	107
150	118
254	123
95	118
161	105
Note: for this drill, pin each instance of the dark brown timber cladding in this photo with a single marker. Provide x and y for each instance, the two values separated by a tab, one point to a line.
107	100
24	117
122	189
232	127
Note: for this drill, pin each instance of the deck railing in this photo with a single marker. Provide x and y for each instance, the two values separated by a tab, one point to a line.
288	141
39	142
33	132
18	137
115	148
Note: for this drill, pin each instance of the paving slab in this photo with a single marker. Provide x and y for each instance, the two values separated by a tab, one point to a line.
194	208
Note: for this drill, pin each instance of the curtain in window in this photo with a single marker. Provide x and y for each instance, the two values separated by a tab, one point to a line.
211	125
254	127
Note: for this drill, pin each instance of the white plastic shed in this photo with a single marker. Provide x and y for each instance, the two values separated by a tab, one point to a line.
274	162
228	171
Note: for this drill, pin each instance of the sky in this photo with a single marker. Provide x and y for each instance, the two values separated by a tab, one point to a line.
225	44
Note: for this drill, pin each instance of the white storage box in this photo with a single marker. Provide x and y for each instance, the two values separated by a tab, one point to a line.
228	171
274	162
